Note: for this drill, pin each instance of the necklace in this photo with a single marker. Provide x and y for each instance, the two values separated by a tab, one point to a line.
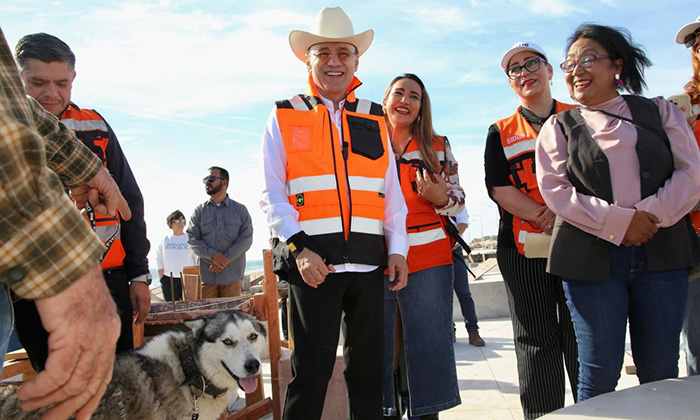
396	152
532	118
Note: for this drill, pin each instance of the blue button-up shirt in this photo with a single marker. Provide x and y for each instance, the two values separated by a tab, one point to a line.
225	228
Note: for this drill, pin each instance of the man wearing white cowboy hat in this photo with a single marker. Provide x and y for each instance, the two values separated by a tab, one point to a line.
338	217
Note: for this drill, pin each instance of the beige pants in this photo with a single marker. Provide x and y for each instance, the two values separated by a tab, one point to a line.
229	290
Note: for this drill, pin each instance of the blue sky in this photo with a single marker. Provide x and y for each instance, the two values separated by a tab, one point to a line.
188	84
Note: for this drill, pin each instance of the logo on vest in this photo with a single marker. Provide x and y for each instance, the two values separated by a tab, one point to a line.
300	200
510	140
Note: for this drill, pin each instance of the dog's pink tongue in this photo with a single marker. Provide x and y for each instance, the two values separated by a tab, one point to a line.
249	384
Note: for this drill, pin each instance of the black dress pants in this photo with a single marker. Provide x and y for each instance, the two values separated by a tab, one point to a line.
34	338
315	326
545	342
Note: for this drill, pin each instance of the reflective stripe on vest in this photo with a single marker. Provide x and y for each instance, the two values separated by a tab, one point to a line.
518	140
416	155
92	131
327	182
338	194
519	148
335	225
88	125
426	237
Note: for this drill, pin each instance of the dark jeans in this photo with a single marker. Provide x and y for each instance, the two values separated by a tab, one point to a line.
315	316
654	303
176	287
466	303
34	337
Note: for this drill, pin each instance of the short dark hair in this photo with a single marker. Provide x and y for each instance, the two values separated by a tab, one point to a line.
222	172
43	47
177	214
618	43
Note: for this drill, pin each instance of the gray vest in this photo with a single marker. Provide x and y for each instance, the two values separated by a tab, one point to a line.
575	254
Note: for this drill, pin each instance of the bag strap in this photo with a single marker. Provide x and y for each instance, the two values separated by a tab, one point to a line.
637	124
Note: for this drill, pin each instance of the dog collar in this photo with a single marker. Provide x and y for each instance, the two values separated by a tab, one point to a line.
194	377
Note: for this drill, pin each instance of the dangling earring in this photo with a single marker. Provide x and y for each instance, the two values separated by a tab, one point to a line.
619	83
551	82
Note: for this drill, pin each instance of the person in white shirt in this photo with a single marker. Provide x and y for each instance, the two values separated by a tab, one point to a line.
173	254
338	217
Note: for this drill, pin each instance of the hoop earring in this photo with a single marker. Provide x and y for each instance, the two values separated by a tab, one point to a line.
619	83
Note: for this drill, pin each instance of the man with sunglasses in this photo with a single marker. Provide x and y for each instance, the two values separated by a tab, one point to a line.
220	233
47	68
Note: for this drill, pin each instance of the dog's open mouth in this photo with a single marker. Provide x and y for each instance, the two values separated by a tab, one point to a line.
248	384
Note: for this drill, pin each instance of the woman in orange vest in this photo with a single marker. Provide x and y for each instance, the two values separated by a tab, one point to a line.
542	328
419	316
689	36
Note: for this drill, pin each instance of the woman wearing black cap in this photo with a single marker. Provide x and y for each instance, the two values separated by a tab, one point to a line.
542	327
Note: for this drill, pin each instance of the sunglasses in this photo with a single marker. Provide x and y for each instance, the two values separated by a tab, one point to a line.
690	39
178	221
210	178
531	65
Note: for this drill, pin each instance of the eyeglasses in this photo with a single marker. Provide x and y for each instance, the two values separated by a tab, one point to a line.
178	221
325	56
210	178
530	65
584	61
691	39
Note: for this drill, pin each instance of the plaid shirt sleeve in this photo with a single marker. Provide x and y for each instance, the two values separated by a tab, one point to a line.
45	245
74	163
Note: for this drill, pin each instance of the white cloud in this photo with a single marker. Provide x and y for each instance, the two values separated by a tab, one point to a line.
169	63
480	77
442	20
554	7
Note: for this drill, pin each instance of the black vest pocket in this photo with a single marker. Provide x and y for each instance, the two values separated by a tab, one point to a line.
365	137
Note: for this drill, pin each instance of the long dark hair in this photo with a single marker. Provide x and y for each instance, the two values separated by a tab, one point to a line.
618	43
422	127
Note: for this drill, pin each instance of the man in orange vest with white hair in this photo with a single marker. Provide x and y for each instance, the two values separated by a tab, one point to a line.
338	218
47	68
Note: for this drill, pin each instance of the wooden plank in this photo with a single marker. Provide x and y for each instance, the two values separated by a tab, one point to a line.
17	367
254	412
17	354
484	268
273	330
138	333
191	283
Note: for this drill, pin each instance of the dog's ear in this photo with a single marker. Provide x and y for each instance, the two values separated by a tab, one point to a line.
196	325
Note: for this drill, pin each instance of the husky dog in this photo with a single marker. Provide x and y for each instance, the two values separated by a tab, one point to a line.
176	375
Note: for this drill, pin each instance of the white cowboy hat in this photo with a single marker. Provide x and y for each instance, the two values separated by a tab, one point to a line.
331	25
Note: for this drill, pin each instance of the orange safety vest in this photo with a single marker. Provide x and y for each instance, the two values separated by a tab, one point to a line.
337	188
430	245
92	131
518	140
